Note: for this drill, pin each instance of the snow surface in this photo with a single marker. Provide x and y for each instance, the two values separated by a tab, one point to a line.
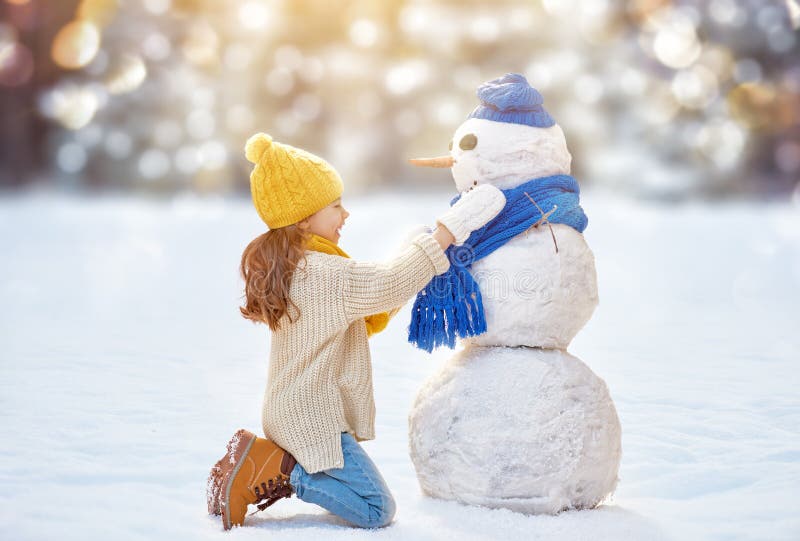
125	368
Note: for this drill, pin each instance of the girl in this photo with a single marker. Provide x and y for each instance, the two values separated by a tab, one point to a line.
321	306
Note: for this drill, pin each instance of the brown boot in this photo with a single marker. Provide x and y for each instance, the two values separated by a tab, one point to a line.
214	481
223	465
212	487
253	470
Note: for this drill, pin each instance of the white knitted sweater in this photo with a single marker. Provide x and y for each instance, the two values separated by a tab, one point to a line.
320	372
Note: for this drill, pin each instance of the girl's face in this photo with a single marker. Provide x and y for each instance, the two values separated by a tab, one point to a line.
327	222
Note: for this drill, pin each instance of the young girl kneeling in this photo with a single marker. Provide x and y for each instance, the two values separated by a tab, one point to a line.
321	307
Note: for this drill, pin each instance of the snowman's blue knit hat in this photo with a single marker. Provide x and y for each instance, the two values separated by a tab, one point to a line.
511	99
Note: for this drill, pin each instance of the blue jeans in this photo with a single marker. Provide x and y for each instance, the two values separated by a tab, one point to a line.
356	492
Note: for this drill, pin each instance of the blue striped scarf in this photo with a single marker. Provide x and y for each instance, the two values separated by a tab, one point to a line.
450	305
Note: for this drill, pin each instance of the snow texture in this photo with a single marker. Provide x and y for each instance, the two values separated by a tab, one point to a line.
507	155
125	367
531	430
533	296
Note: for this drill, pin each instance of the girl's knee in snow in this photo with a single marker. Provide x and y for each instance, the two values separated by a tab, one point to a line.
387	513
381	516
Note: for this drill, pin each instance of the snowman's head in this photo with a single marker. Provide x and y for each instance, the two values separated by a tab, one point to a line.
508	139
506	155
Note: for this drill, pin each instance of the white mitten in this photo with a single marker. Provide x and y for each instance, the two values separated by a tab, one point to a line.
475	209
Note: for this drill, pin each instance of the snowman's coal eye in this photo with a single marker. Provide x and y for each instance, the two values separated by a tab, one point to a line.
468	142
450	146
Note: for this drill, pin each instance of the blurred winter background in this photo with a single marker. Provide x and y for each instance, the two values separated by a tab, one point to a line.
124	207
658	98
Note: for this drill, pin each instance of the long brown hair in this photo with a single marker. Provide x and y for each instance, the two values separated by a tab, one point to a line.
268	264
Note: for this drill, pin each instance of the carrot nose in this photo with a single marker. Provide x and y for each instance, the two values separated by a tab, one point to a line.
439	161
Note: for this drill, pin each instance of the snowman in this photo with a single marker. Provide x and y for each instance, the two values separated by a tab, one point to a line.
512	420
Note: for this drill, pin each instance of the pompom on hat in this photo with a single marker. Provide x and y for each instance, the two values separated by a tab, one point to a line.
288	184
511	99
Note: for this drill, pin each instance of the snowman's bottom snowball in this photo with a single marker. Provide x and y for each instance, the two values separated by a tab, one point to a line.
532	430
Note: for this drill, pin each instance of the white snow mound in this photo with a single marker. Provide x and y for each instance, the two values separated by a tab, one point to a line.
527	429
533	296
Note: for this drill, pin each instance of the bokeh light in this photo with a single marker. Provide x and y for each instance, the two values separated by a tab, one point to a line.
153	164
484	28
71	157
279	81
73	106
187	160
201	45
157	7
16	64
213	155
254	15
129	73
118	145
589	89
727	12
695	87
156	47
237	56
200	124
721	141
98	12
753	105
76	44
675	43
167	133
289	57
793	6
405	77
363	32
239	119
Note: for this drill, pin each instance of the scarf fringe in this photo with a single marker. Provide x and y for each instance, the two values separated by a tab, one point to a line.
439	321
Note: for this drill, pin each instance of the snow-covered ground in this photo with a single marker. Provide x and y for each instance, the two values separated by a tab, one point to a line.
125	367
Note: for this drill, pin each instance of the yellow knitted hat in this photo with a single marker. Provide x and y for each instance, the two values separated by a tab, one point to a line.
288	184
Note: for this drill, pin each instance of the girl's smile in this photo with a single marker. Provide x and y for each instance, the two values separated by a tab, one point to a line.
328	222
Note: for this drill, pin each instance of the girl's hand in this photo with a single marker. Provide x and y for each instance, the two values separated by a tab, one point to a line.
443	236
476	208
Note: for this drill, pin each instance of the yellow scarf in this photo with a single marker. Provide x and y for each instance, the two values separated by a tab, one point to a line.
376	322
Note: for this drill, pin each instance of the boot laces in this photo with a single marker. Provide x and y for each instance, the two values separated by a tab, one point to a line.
272	491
